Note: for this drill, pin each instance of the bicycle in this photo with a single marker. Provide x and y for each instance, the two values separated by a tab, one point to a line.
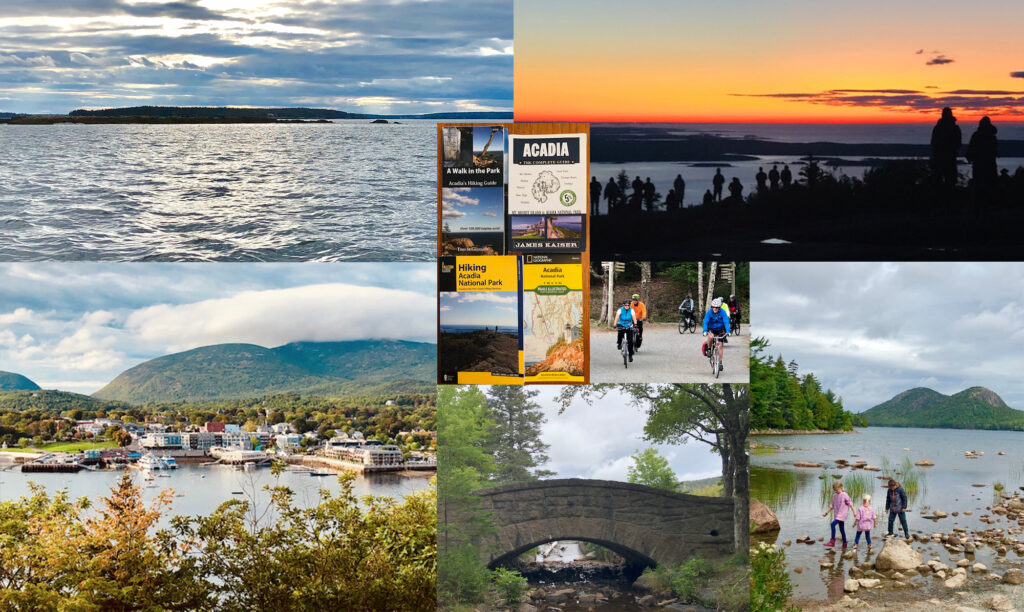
638	336
735	325
687	322
715	353
626	340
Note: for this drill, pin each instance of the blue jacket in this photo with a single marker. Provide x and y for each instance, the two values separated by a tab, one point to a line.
625	316
896	499
716	322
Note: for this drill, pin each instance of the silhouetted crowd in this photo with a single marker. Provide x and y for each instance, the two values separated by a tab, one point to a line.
641	196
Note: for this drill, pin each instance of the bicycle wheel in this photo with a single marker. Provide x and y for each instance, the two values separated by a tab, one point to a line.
625	352
682	324
714	359
693	325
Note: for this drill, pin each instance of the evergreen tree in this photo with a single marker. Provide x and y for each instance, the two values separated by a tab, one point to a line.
515	441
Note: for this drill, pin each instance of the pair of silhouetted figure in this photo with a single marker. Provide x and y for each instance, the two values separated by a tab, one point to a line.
982	151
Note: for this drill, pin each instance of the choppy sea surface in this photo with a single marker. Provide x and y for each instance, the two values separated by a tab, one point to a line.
348	190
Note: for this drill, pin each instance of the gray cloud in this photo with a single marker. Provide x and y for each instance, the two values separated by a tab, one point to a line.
872	330
367	56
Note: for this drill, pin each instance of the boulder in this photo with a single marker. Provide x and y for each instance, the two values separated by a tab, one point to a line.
561	595
762	519
645	583
979	568
924	463
1013	576
647	601
897	555
525	607
998	602
851	586
870	583
955	582
807	464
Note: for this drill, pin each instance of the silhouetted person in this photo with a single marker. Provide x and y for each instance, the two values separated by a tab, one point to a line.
762	180
595	195
946	141
812	172
773	178
717	182
787	176
736	189
671	201
612	194
708	198
649	195
981	152
638	186
680	186
636	198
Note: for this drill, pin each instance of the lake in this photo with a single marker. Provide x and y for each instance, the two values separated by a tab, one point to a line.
795	494
203	495
348	190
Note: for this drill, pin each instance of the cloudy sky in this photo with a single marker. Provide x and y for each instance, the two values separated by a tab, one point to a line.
76	326
871	330
473	208
375	56
751	60
480	308
598	441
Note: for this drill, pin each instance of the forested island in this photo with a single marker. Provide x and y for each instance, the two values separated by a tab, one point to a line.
222	114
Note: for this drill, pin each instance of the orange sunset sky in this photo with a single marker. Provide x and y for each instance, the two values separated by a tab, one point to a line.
777	61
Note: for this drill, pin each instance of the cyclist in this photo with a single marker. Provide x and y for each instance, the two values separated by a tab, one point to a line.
717	322
625	321
686	308
734	308
641	315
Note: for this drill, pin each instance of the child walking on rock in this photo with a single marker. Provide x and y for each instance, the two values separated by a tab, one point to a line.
840	509
866	521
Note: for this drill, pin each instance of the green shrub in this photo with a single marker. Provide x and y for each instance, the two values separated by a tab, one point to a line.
692	577
510	584
461	577
770	588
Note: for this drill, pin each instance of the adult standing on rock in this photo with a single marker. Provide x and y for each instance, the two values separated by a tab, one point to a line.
896	504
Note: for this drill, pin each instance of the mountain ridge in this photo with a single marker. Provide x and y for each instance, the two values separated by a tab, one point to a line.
12	381
237	371
973	408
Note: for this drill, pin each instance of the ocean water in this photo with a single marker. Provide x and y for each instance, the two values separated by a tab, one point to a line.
348	190
698	179
202	489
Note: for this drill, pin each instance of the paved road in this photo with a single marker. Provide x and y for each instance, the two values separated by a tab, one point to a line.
666	356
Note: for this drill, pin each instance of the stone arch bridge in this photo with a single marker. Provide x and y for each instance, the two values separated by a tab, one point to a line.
644	525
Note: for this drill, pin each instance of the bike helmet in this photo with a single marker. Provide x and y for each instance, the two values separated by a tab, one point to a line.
625	302
731	296
636	296
716	303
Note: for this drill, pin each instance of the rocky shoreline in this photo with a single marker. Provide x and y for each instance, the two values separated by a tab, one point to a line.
903	568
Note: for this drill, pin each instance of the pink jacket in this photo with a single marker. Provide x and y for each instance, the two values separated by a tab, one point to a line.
840	506
865	518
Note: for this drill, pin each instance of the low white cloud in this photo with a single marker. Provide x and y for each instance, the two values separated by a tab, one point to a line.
320	313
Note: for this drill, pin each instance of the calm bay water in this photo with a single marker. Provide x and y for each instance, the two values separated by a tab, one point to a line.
205	488
795	494
348	190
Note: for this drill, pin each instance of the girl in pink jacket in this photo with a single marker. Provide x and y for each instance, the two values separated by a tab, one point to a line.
840	509
866	521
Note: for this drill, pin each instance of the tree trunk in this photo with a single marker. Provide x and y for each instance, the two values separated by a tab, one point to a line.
645	285
604	296
733	291
611	293
712	273
700	289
